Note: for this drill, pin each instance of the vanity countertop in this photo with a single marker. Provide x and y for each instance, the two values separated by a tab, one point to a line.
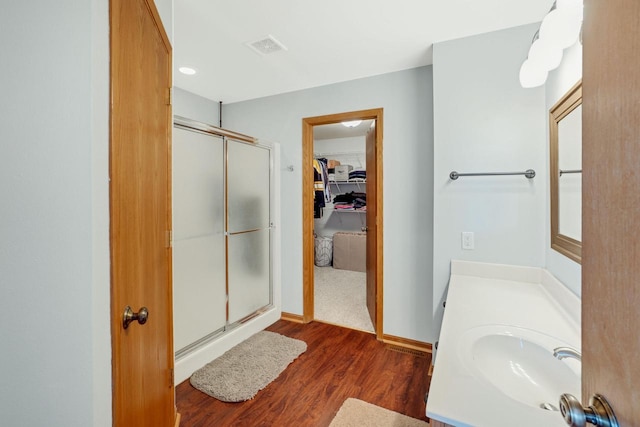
514	300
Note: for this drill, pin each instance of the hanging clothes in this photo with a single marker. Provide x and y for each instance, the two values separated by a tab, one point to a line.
321	186
318	190
324	165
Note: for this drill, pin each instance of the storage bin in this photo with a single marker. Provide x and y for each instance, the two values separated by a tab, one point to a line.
323	251
342	172
350	251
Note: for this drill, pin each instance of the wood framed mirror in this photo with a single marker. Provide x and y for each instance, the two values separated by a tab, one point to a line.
565	148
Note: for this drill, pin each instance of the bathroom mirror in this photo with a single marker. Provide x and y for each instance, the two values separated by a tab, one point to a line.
565	139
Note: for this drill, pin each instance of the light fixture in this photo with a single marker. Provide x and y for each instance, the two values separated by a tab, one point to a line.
562	26
352	123
559	30
545	53
532	74
187	70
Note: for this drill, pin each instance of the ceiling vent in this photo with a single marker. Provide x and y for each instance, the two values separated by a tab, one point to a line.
266	45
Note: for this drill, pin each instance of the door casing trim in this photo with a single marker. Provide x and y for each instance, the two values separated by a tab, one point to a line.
307	209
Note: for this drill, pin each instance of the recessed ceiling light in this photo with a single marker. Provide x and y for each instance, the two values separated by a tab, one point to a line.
187	70
352	123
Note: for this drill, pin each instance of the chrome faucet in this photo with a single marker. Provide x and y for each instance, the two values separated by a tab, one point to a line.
564	352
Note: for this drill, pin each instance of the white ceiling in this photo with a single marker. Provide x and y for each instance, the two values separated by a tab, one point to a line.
328	41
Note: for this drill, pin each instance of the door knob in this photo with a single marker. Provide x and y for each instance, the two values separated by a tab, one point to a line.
129	316
599	413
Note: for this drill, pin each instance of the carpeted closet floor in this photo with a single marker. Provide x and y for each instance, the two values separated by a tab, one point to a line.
340	298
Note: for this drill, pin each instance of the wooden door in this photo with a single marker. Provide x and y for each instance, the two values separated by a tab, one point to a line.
611	206
140	203
372	229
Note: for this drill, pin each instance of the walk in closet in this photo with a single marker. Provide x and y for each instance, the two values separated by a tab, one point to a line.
340	209
222	232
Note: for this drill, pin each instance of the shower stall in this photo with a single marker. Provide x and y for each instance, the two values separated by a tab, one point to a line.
223	238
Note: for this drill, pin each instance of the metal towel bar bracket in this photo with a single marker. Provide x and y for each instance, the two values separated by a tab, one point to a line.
529	173
562	172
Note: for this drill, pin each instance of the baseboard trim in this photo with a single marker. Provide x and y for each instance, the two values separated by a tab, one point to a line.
419	346
296	318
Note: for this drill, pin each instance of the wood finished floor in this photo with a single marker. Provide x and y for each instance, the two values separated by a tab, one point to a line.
339	363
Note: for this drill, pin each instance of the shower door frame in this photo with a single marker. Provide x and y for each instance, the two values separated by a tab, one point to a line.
228	136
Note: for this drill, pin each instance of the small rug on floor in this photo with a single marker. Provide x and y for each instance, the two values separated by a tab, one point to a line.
240	373
356	413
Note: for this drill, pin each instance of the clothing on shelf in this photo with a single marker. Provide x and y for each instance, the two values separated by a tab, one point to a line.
351	197
352	200
358	174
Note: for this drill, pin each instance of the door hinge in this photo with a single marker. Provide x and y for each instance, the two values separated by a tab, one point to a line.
169	96
169	238
171	377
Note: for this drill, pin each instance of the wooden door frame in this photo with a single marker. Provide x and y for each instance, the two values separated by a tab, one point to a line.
307	208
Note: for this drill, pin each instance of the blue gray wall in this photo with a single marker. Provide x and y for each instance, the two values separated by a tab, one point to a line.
191	106
485	121
558	83
55	357
406	98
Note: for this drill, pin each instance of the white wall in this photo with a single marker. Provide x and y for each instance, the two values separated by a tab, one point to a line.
348	150
165	10
485	121
558	83
55	358
101	299
406	97
191	106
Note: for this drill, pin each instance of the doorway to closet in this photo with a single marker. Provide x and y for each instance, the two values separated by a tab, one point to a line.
353	253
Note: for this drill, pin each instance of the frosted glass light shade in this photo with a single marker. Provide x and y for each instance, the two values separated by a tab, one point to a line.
561	27
569	4
532	74
545	53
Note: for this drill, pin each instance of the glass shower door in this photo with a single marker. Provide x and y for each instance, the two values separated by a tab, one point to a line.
248	228
199	266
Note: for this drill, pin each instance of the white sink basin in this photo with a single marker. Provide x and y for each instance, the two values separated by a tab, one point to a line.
520	363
